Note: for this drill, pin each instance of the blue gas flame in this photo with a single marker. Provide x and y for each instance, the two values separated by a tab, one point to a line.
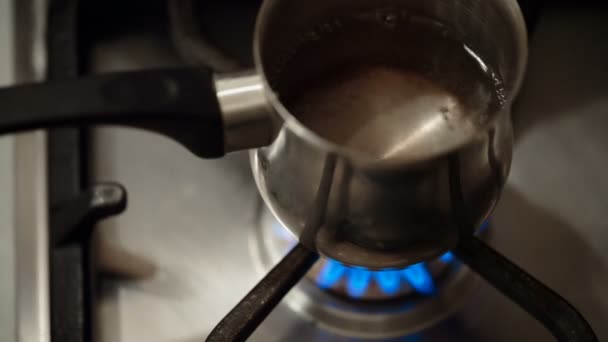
388	281
419	277
447	258
358	280
331	274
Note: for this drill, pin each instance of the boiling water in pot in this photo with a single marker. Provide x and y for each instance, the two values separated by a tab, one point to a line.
389	84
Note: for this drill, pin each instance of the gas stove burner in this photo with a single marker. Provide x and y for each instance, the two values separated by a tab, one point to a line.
362	303
367	285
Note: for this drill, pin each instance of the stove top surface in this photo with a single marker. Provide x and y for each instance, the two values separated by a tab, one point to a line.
197	220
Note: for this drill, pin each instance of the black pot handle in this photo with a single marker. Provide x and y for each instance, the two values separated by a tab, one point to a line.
554	312
179	103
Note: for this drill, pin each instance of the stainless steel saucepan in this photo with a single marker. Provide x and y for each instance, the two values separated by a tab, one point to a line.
442	176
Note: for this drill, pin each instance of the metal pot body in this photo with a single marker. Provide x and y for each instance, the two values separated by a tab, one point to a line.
381	219
377	215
